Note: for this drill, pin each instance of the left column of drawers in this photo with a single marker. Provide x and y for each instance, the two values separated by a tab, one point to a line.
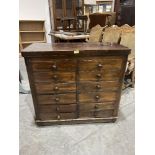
55	86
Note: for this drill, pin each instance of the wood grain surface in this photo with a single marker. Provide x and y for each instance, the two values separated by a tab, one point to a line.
81	87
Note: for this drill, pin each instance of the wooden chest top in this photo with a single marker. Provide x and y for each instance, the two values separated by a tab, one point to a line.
43	49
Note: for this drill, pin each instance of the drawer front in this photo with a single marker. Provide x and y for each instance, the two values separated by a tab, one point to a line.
98	114
91	107
47	64
97	97
100	63
98	86
57	108
54	77
99	76
57	116
57	99
43	88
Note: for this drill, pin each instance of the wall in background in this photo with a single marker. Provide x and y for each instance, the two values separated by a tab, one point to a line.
35	10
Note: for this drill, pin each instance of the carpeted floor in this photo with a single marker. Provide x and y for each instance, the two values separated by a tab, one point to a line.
88	139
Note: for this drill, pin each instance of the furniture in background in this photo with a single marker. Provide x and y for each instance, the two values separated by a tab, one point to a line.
127	15
96	34
68	20
124	35
65	9
75	83
98	18
83	23
31	31
111	20
69	36
125	12
98	6
128	40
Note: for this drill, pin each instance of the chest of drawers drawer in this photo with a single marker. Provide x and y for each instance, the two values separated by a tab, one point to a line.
47	64
48	87
56	116
54	77
98	114
105	63
89	86
99	76
88	107
97	97
57	99
58	108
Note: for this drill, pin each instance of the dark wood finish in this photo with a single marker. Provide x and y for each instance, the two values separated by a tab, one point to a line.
54	76
90	97
49	87
127	15
99	75
57	108
125	12
74	82
46	64
85	86
97	114
98	18
62	9
55	116
85	107
84	19
57	99
100	63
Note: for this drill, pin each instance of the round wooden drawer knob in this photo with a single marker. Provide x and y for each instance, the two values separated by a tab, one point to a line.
99	65
56	88
58	117
55	77
98	75
57	99
98	86
54	66
97	97
96	106
57	109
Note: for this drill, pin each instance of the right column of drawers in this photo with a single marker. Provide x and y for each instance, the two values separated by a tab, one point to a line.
98	86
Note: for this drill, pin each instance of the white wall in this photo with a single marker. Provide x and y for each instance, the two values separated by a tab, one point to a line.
35	10
89	1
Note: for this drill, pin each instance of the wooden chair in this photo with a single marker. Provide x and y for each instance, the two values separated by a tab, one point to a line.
128	40
96	34
124	35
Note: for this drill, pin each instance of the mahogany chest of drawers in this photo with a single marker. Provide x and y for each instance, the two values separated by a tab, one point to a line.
75	82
